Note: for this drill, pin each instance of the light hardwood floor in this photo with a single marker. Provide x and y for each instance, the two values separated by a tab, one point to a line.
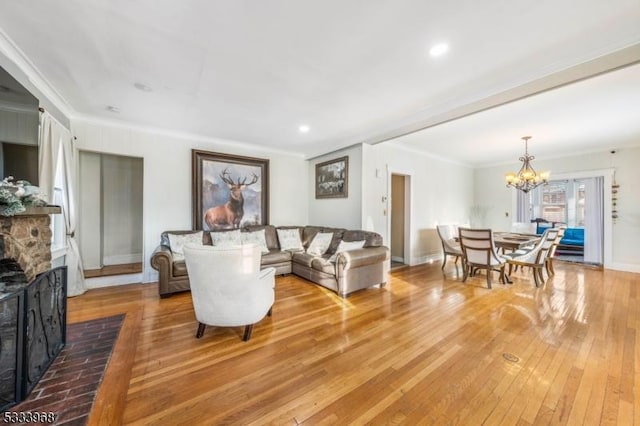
426	349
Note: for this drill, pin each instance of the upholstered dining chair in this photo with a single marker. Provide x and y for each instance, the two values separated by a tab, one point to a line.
534	256
524	227
228	289
479	252
450	247
552	252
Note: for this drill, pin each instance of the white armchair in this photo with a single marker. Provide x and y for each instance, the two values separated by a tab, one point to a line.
228	288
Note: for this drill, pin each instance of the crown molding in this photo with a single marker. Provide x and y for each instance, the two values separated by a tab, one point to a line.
9	49
99	121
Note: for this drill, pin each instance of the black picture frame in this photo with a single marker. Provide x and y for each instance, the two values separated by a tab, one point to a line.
332	178
228	191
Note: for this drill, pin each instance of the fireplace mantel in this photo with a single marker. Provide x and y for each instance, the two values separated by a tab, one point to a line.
36	211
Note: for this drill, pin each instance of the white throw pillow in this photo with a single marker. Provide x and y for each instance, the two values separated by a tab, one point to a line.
347	246
177	242
320	243
226	239
257	238
290	240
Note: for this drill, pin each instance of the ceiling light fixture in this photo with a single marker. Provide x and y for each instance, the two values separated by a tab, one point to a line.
527	178
303	128
439	49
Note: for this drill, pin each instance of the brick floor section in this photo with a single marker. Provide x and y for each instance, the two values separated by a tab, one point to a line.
70	385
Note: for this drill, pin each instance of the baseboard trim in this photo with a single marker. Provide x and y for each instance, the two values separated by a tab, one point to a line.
430	258
625	267
112	281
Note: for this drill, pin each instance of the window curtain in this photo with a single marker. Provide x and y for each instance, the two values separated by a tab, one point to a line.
57	151
593	219
523	211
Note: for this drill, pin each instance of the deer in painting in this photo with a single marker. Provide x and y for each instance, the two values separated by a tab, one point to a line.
229	214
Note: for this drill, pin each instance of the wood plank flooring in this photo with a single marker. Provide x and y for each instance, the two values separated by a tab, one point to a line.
426	349
109	270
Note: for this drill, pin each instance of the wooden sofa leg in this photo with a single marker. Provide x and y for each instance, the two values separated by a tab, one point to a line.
247	332
200	331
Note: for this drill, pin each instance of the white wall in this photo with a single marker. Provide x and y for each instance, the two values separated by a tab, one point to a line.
491	192
90	207
441	192
19	127
338	212
167	177
122	192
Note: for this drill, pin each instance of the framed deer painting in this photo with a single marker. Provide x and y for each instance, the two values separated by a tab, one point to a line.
229	191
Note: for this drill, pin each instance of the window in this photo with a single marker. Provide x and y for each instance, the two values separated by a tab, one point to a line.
554	202
560	202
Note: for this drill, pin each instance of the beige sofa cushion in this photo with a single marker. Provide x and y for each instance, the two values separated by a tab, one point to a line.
289	239
320	243
303	259
177	242
322	264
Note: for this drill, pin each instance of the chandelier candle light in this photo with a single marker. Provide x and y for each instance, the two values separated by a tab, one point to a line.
527	178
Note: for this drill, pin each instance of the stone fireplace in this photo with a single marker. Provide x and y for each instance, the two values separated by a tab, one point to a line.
26	237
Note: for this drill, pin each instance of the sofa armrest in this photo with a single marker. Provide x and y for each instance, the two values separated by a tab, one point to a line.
361	257
162	261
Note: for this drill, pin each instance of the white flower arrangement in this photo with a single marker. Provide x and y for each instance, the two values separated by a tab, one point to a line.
16	196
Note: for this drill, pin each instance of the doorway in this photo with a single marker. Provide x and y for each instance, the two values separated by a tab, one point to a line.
398	220
110	224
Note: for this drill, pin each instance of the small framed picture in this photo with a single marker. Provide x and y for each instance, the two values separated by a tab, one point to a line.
332	178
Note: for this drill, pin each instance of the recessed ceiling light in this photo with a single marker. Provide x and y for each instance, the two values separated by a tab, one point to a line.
303	128
112	108
439	49
142	87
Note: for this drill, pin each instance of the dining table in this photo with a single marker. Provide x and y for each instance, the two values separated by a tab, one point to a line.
513	241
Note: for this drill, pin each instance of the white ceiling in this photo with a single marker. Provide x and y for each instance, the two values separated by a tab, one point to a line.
353	70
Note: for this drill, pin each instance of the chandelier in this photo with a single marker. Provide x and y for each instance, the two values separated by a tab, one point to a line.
527	178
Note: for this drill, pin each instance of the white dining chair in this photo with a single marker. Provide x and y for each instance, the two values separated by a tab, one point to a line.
479	252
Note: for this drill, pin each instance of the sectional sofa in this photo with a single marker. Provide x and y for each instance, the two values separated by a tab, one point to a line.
343	272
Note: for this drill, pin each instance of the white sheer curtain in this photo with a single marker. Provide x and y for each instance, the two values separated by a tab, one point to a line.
523	213
593	219
57	151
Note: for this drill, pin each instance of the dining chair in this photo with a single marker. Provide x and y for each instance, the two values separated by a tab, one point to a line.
552	252
479	252
228	289
450	247
535	256
523	227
